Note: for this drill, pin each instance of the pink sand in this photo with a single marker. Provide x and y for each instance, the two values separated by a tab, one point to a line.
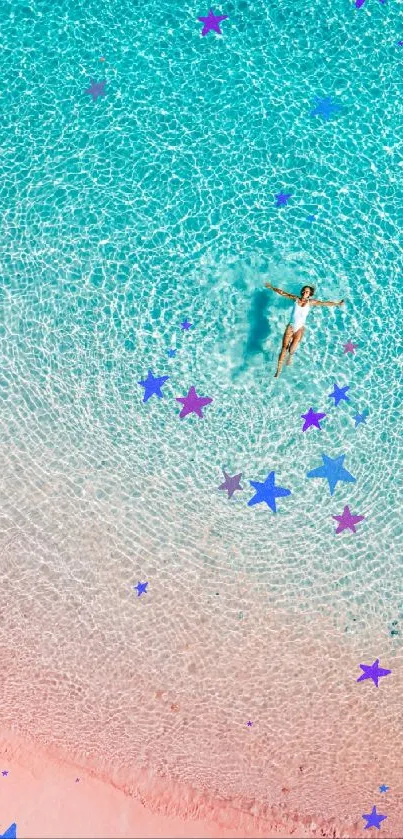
41	795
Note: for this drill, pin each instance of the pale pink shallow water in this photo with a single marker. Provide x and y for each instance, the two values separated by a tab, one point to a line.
318	749
150	696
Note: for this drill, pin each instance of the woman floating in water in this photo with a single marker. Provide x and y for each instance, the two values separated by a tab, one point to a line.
295	329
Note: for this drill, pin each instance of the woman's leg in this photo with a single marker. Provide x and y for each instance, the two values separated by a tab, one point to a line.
287	338
294	343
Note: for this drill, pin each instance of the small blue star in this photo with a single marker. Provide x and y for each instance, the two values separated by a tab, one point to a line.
324	107
282	198
268	492
311	218
383	788
186	325
141	588
360	418
333	470
152	385
171	353
11	832
339	394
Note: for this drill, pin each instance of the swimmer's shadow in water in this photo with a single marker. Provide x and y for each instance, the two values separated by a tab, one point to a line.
258	332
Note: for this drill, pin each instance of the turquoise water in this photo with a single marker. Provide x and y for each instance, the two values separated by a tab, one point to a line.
124	216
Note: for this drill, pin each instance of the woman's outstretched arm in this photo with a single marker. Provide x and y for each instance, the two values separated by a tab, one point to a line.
325	303
283	293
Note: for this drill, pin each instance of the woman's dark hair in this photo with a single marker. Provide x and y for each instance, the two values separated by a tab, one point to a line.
311	289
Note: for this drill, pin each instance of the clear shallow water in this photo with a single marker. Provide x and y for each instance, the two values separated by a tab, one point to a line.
120	218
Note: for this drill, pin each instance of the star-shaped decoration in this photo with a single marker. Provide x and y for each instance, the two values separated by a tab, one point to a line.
96	89
311	418
359	3
186	325
383	788
5	772
141	588
360	418
333	470
339	394
77	780
171	353
282	198
400	43
324	107
152	385
268	492
192	403
11	832
231	483
311	218
249	723
350	347
373	819
373	671
347	521
212	22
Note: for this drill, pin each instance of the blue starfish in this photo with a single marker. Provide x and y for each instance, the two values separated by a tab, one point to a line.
359	3
282	198
11	832
171	353
383	788
268	492
324	107
152	385
339	394
333	470
141	588
360	418
373	819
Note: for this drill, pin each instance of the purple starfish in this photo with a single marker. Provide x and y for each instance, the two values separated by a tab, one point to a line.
373	819
350	347
212	22
231	484
347	521
282	198
311	418
192	403
373	671
5	772
186	325
96	89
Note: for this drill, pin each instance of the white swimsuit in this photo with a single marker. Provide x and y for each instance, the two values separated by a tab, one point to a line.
299	315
